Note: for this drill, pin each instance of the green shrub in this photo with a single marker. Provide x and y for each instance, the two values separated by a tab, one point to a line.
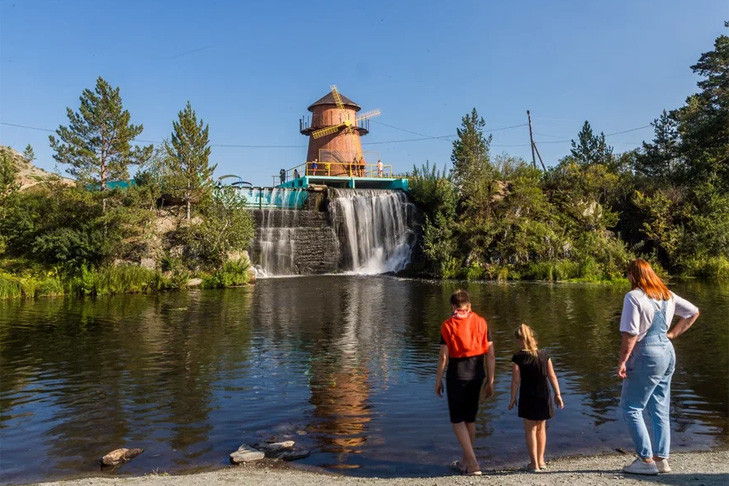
177	279
590	270
449	268
474	271
540	271
716	267
233	272
502	273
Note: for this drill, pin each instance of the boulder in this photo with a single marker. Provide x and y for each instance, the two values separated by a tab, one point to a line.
246	453
117	456
194	282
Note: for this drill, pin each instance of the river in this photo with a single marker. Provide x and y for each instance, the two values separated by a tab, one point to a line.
344	365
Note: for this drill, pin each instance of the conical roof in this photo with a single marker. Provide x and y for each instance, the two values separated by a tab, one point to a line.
328	99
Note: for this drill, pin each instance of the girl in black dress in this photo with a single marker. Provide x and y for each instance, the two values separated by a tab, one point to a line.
531	374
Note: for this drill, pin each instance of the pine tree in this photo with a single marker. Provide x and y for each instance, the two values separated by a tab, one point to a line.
590	148
188	158
29	154
704	121
470	156
97	141
658	158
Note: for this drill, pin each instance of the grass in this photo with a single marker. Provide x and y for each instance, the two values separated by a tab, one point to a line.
232	273
89	281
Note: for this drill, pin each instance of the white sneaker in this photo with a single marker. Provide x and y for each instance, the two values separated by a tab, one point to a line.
640	467
662	466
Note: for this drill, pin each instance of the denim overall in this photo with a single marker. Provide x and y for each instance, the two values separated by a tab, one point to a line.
648	385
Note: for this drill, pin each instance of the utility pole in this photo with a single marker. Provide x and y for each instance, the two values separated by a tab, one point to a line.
531	139
533	145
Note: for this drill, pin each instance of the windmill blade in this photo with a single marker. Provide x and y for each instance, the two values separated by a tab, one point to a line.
322	132
337	97
369	114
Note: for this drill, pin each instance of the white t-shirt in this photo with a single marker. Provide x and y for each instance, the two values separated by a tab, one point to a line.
638	311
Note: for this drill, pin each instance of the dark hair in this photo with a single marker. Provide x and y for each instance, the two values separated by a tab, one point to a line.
459	298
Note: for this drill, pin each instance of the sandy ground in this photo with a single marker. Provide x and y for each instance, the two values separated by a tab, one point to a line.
697	468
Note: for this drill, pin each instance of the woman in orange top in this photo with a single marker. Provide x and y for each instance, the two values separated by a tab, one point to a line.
468	352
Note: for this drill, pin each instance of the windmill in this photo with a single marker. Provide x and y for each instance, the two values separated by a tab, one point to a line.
335	132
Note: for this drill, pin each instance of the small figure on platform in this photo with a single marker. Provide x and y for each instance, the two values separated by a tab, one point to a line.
296	173
314	166
282	175
380	169
328	168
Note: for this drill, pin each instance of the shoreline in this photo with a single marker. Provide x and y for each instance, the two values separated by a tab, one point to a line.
708	468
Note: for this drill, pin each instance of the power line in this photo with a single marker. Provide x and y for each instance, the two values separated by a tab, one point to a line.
26	126
630	130
505	128
406	130
444	137
424	137
232	145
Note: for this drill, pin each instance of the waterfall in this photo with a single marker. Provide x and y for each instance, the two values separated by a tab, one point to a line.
375	228
363	231
275	240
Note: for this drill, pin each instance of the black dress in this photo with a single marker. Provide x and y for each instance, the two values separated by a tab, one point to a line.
535	399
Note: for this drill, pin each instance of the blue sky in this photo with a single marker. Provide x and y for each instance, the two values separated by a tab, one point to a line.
250	69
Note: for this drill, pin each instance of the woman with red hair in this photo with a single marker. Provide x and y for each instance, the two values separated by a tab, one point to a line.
647	361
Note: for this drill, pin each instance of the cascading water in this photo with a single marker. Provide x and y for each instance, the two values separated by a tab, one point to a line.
275	239
375	228
363	231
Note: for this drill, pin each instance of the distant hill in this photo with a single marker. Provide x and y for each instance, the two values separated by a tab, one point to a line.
28	174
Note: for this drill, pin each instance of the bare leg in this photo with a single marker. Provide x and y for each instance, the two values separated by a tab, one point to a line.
530	429
541	441
464	439
471	426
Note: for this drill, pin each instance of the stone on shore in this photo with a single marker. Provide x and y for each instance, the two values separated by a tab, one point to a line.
295	454
246	453
277	447
117	456
194	282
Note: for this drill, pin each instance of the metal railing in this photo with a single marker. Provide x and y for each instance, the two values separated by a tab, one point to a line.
334	169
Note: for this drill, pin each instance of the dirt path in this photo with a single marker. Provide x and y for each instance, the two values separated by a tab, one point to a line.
696	468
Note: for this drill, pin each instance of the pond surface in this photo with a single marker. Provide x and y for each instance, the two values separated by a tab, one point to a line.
344	365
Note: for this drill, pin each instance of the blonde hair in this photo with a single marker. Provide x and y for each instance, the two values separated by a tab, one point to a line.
525	334
645	278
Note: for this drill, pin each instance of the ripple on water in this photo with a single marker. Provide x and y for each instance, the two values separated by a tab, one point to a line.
343	365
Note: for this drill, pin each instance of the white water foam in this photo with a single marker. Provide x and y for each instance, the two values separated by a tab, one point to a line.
276	238
375	229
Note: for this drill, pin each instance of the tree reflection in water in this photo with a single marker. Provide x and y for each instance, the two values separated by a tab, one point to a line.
342	364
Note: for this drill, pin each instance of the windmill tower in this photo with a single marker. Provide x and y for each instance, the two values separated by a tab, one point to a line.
334	132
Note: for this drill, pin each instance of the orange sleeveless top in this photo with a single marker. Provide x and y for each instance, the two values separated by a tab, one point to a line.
466	334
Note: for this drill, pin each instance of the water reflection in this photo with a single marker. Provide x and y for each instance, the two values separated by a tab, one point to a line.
344	365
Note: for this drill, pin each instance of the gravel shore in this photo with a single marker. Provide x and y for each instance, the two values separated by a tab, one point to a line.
694	468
